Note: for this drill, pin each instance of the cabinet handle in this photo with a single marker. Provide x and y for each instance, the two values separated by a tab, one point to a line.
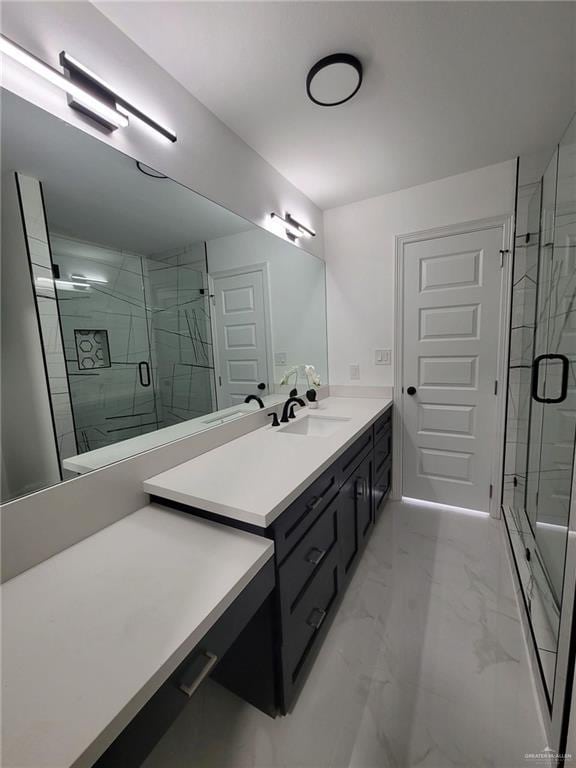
360	488
315	555
315	502
316	618
190	686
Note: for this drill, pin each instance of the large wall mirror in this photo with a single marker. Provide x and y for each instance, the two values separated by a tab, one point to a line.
134	311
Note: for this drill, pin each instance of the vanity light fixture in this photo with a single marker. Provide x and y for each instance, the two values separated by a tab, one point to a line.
294	229
334	79
105	113
87	92
80	74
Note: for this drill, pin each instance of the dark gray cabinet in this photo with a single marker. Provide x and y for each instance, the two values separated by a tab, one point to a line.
318	540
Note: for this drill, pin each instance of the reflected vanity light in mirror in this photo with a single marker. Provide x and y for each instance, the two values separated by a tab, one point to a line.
66	285
34	64
84	279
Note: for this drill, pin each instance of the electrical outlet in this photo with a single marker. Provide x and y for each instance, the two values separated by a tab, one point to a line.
382	357
354	371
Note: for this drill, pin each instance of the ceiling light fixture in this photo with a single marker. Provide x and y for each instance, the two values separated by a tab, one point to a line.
104	112
294	229
334	79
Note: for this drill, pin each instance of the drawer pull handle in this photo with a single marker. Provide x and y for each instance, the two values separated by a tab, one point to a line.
316	618
188	686
315	555
315	502
360	488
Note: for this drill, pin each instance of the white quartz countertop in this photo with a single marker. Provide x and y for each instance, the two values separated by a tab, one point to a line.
254	478
89	635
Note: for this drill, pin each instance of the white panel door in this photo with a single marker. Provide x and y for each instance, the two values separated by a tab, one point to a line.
452	290
240	330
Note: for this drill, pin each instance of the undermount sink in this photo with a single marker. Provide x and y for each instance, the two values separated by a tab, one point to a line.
317	426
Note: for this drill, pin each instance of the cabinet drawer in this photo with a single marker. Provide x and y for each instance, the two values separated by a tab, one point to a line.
382	424
382	486
303	626
303	562
303	513
383	449
354	455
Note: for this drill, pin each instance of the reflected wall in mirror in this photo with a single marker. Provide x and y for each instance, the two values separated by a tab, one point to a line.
134	311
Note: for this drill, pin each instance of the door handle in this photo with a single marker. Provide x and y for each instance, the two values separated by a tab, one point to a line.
261	385
411	391
536	376
144	368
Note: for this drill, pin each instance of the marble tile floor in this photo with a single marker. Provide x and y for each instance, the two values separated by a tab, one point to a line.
424	665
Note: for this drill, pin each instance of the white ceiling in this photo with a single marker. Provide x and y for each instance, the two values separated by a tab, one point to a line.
97	194
449	86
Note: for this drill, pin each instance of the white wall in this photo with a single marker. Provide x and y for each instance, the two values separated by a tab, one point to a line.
360	259
208	156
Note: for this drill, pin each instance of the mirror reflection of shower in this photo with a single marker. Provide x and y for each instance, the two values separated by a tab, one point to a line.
137	340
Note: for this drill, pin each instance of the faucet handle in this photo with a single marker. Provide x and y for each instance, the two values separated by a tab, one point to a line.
275	422
294	392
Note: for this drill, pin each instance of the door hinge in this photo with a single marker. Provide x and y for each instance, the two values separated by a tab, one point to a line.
220	380
496	387
503	256
491	490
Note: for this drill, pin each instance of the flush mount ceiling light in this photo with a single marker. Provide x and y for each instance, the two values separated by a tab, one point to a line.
293	228
87	92
334	79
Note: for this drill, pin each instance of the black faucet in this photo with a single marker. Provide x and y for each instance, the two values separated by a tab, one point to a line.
287	411
254	397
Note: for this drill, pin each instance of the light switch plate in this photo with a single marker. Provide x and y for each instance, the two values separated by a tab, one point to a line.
280	358
382	357
354	371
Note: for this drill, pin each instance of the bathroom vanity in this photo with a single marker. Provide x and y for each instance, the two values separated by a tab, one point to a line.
315	487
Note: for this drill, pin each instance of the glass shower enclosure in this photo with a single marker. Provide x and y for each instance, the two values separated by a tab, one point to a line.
541	414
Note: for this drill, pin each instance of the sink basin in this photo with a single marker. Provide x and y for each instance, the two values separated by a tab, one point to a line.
317	426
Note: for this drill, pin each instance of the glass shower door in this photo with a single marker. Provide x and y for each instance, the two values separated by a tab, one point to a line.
541	422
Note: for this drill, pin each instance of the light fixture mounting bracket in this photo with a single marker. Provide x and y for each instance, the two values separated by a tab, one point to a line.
93	85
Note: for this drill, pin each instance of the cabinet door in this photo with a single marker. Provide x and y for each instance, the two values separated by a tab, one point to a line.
356	513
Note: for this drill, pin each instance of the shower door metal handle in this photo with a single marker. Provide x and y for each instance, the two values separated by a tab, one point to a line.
536	376
144	373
